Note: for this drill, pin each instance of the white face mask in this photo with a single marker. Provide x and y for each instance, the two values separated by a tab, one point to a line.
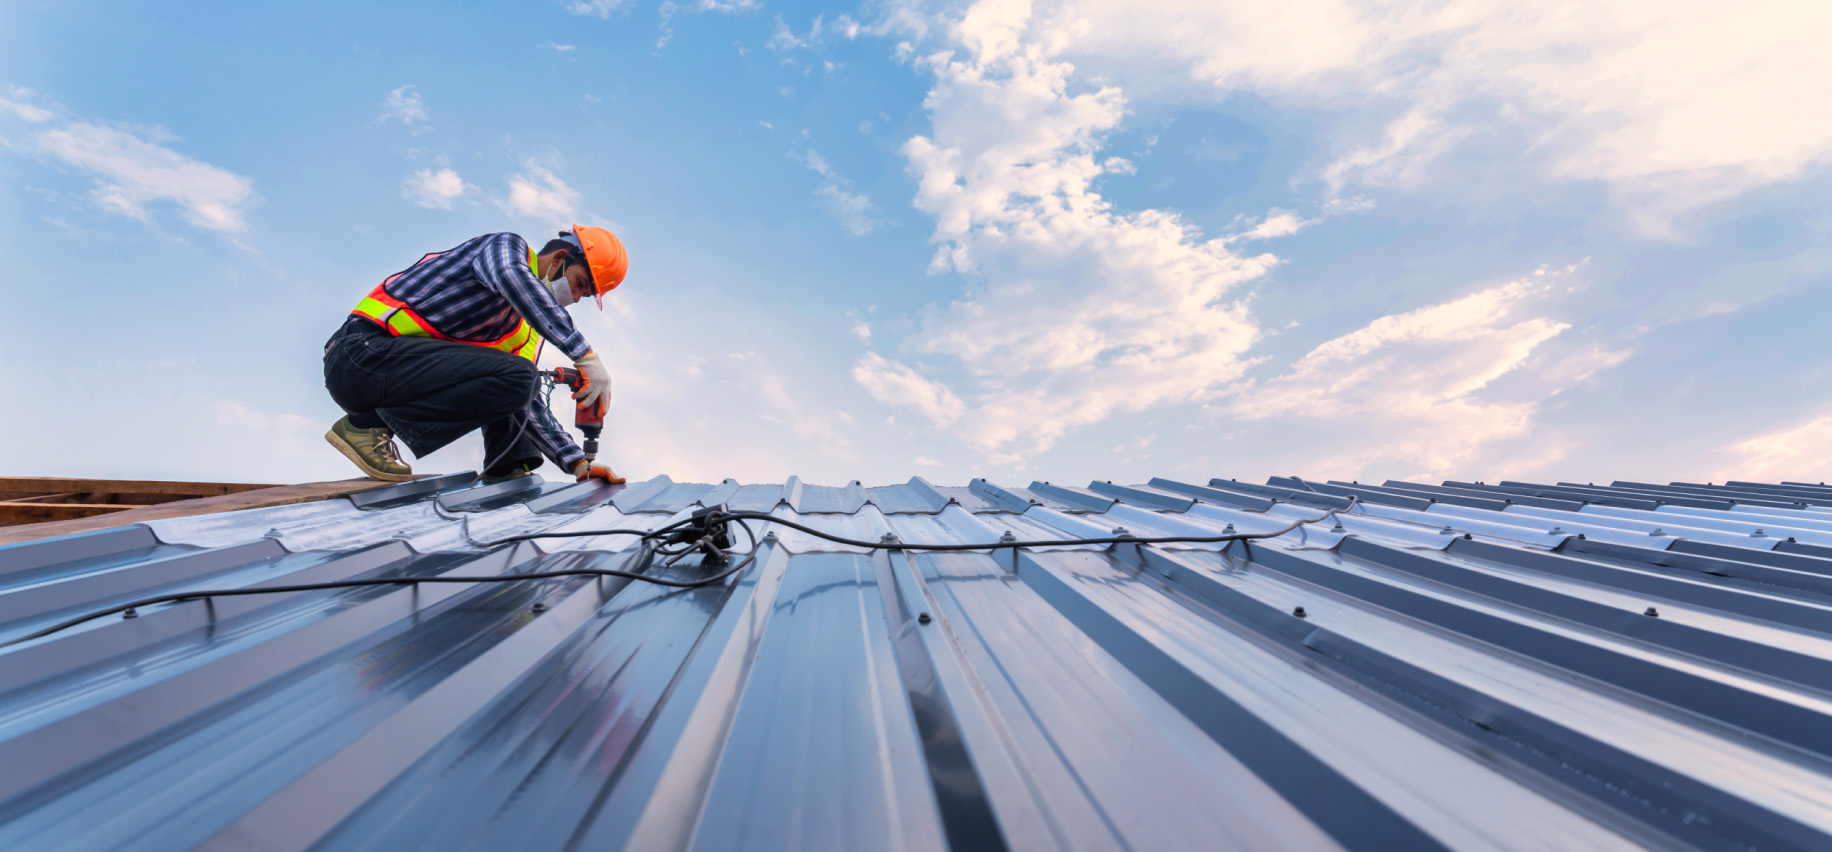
562	291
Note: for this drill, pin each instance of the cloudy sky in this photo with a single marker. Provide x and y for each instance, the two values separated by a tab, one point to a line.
1019	240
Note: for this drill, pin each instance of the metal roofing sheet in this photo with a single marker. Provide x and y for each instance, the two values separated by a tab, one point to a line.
1417	672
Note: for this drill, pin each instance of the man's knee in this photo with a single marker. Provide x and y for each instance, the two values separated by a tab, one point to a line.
511	381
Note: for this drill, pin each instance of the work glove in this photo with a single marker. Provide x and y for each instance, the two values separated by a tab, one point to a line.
597	381
586	470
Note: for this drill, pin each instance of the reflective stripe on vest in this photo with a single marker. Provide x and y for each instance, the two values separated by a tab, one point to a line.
402	321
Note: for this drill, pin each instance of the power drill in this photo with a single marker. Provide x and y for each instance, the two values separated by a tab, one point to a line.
588	418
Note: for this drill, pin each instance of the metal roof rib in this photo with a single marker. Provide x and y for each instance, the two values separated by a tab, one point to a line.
1432	666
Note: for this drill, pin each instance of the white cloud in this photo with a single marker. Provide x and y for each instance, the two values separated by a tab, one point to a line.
897	384
1674	105
1799	453
784	39
289	435
434	189
852	209
597	8
925	461
1413	382
133	166
404	105
560	48
17	103
537	193
669	9
1278	223
862	330
1078	311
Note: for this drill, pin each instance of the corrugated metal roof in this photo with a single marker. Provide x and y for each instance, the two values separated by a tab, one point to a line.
1462	665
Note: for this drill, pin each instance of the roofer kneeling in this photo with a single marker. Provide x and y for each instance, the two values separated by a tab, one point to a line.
449	345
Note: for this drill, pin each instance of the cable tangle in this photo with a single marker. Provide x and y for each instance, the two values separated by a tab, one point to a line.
707	532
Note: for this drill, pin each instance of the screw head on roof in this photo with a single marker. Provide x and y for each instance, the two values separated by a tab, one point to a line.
539	606
1008	536
129	613
1652	613
1556	531
1228	530
888	538
1299	612
1121	531
1447	531
1469	537
923	618
1338	528
770	537
1657	531
1758	533
1791	540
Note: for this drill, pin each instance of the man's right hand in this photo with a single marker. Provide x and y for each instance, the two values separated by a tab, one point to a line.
597	381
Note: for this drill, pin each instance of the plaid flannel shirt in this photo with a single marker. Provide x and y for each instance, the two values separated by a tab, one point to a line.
481	290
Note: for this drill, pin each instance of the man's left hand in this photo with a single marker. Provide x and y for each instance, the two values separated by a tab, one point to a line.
586	470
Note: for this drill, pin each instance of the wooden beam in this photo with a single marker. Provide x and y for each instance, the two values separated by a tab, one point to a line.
279	495
32	513
57	484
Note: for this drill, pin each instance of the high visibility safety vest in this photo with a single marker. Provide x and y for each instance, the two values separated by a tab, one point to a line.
401	320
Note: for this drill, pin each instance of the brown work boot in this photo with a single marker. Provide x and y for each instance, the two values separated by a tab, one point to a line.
520	470
371	449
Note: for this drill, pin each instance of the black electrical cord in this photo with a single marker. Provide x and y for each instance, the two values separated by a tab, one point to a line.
685	547
647	555
899	545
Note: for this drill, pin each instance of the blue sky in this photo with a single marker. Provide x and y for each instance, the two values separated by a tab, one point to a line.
1052	240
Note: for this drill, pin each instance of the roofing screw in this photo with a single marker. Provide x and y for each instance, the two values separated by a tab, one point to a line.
1338	528
539	606
923	618
1652	613
1658	531
1447	531
1008	536
1791	540
1229	530
770	537
1758	533
1299	612
1468	536
129	613
1556	531
1121	531
888	538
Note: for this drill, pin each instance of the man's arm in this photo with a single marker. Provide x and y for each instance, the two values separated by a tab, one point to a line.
553	440
502	265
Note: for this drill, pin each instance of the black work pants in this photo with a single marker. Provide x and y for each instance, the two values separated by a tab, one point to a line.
433	392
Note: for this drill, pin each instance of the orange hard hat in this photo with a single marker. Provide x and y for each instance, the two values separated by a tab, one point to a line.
605	257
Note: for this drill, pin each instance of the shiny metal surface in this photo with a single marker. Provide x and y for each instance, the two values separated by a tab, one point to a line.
1446	666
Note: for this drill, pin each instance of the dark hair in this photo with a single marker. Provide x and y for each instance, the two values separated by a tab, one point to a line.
575	256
